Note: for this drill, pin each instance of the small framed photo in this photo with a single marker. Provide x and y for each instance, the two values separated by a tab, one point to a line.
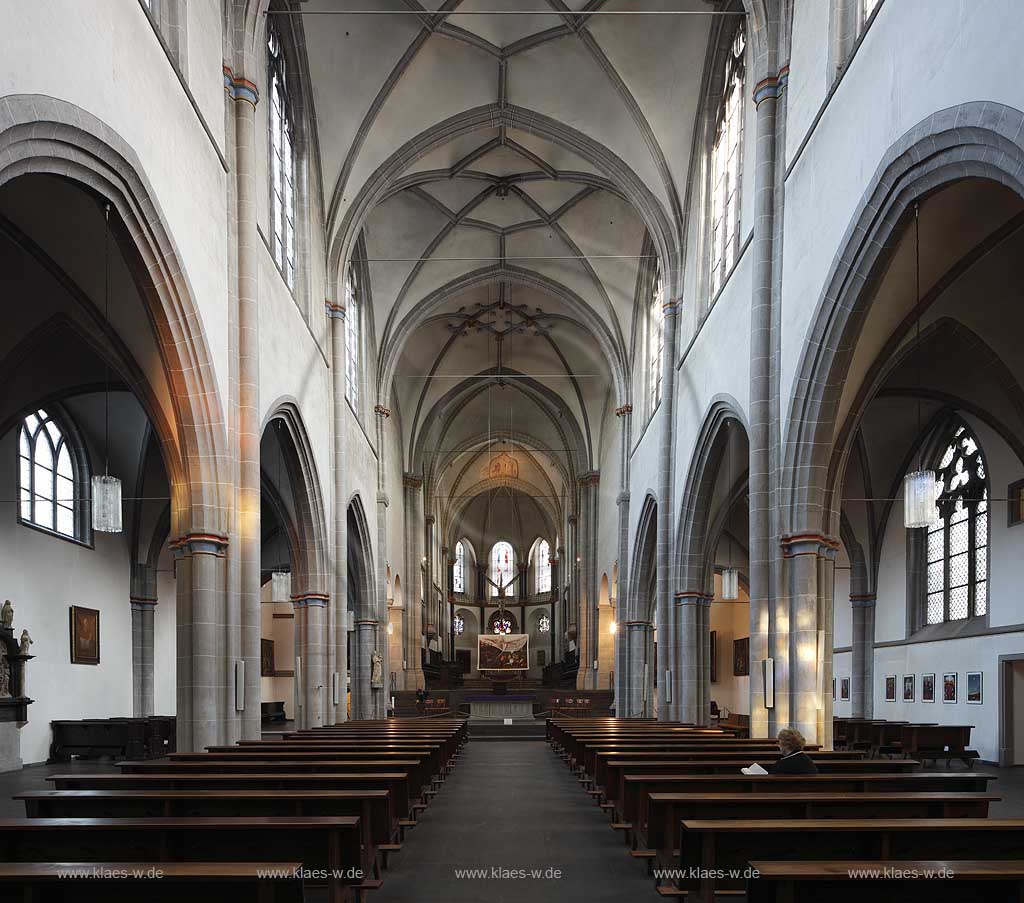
890	688
844	689
85	635
927	688
909	687
975	695
949	688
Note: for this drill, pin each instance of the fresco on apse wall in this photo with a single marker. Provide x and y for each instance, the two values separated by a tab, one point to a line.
503	653
927	688
85	635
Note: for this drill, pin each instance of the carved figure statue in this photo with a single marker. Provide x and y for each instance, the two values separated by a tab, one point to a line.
5	673
26	641
7	615
376	669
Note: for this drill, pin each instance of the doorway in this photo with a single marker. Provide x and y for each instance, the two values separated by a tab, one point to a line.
1011	710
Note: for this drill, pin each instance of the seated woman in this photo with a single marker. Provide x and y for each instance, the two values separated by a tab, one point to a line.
793	759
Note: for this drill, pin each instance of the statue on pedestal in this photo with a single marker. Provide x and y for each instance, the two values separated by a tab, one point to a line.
26	641
376	670
7	615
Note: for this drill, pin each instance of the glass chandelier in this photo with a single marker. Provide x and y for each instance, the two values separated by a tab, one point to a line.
730	583
106	490
281	586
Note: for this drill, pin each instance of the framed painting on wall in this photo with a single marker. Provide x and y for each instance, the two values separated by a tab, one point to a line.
741	657
833	689
85	635
909	687
714	656
507	652
949	687
266	658
890	688
974	688
927	688
844	689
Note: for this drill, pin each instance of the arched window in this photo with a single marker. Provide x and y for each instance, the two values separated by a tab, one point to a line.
353	337
655	339
51	484
503	569
459	568
956	585
726	159
502	623
282	158
543	563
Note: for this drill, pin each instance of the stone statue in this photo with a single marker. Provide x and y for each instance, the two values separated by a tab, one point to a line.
376	670
7	615
5	673
26	641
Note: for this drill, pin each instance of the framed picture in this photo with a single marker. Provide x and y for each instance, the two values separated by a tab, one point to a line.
503	652
833	689
714	656
85	635
266	658
927	688
890	688
741	657
949	687
909	687
1015	508
975	694
844	689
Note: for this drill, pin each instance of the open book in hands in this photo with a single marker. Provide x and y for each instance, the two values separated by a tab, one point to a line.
754	769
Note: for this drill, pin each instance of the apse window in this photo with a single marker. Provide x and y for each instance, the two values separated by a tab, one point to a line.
543	559
353	336
49	479
726	165
459	569
282	160
503	566
957	546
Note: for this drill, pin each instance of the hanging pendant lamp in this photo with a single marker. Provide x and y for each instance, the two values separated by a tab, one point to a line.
106	490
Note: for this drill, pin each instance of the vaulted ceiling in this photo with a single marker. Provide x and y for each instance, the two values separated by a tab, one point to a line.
514	178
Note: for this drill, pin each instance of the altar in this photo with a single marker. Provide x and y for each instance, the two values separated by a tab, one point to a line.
497	707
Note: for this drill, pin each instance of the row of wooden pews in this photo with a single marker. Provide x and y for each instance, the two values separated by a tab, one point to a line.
328	805
676	793
926	741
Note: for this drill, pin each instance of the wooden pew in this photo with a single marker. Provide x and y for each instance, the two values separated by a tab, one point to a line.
330	844
378	828
707	848
154	882
638	787
395	783
906	880
667	811
938	741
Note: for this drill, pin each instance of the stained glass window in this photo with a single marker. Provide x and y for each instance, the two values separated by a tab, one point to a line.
726	165
544	624
501	625
282	159
503	569
655	340
459	625
50	494
459	569
956	583
543	559
353	337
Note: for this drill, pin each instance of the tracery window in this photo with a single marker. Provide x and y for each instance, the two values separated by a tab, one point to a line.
282	159
543	560
50	486
726	165
655	339
502	625
503	569
353	337
957	547
459	568
544	624
459	625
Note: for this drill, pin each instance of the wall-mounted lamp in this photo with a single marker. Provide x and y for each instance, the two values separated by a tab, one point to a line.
613	628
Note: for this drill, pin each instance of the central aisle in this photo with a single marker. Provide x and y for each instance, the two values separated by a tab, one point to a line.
513	805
